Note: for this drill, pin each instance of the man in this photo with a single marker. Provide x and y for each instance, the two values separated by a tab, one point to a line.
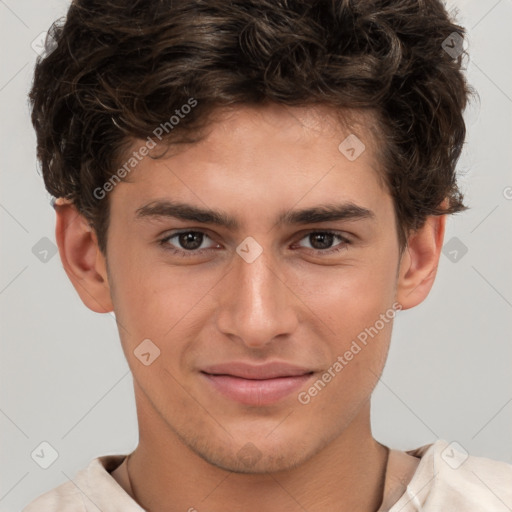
256	189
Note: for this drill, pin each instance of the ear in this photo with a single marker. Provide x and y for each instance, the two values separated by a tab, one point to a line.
81	257
418	266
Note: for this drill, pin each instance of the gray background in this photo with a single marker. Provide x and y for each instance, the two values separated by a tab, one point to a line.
63	376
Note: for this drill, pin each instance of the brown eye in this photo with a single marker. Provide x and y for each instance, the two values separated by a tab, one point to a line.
325	242
188	243
321	240
191	240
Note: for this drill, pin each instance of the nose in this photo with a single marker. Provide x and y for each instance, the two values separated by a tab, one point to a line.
256	306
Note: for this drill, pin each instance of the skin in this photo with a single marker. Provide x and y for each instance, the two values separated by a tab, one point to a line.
290	304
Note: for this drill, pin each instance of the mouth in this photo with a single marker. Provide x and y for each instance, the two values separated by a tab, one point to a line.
256	385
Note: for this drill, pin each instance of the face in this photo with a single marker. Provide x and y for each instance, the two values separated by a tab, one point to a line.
262	265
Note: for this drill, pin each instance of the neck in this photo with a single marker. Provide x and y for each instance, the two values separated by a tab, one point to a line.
346	475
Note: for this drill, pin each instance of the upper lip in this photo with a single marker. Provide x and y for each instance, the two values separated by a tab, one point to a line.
263	371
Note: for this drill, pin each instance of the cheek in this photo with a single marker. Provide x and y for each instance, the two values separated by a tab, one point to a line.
356	313
157	301
352	307
349	298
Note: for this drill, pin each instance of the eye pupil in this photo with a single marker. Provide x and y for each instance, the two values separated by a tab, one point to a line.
321	240
191	240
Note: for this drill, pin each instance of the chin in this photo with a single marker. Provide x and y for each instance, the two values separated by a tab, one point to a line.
266	463
259	456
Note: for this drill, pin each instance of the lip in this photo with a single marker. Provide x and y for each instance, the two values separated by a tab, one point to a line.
256	385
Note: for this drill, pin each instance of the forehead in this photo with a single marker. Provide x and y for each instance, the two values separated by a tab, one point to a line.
270	153
273	123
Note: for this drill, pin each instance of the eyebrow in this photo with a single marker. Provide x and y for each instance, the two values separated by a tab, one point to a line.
313	215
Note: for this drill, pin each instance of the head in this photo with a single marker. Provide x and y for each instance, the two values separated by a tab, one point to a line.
251	182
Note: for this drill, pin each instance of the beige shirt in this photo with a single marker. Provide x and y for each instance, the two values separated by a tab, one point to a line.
433	478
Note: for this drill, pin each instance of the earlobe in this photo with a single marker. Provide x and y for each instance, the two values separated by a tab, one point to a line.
418	266
81	257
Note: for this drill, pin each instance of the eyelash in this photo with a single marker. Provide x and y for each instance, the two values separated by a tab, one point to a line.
179	252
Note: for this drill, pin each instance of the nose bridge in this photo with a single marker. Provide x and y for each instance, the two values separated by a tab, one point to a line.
256	306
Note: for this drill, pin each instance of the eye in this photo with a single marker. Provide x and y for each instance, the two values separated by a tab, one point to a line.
322	241
191	242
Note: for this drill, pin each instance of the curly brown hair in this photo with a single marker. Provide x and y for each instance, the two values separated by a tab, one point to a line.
120	69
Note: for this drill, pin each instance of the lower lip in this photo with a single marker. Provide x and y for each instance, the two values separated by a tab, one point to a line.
256	392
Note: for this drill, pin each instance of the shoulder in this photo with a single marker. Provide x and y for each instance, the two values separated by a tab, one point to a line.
64	498
87	490
448	477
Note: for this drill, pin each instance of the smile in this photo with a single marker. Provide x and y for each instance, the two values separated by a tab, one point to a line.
256	392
